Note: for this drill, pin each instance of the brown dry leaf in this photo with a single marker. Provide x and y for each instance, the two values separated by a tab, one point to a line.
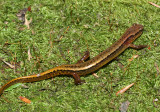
133	57
86	26
124	106
124	89
29	55
121	66
24	99
33	32
95	75
157	68
21	29
21	14
27	22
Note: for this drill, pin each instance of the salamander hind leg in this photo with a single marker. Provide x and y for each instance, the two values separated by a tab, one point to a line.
77	79
85	57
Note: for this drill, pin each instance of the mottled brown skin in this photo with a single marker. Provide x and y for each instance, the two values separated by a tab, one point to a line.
83	67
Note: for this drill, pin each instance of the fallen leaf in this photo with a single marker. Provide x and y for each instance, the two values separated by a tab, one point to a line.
25	99
149	48
124	106
33	32
157	68
95	75
29	8
121	66
27	22
124	89
29	55
133	57
5	22
21	14
86	26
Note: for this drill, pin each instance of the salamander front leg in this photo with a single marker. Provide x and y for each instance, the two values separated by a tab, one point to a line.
77	79
85	57
137	47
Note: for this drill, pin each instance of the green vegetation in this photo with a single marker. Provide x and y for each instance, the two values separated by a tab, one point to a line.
60	32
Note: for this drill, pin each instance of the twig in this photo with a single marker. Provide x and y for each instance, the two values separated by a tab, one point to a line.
154	4
157	68
124	89
29	54
10	65
95	75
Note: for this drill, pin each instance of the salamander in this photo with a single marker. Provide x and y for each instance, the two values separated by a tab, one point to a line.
84	67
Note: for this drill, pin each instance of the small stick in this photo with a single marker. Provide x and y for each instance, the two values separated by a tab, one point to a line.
157	68
124	89
154	4
10	65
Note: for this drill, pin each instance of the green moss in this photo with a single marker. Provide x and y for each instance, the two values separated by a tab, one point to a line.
89	24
